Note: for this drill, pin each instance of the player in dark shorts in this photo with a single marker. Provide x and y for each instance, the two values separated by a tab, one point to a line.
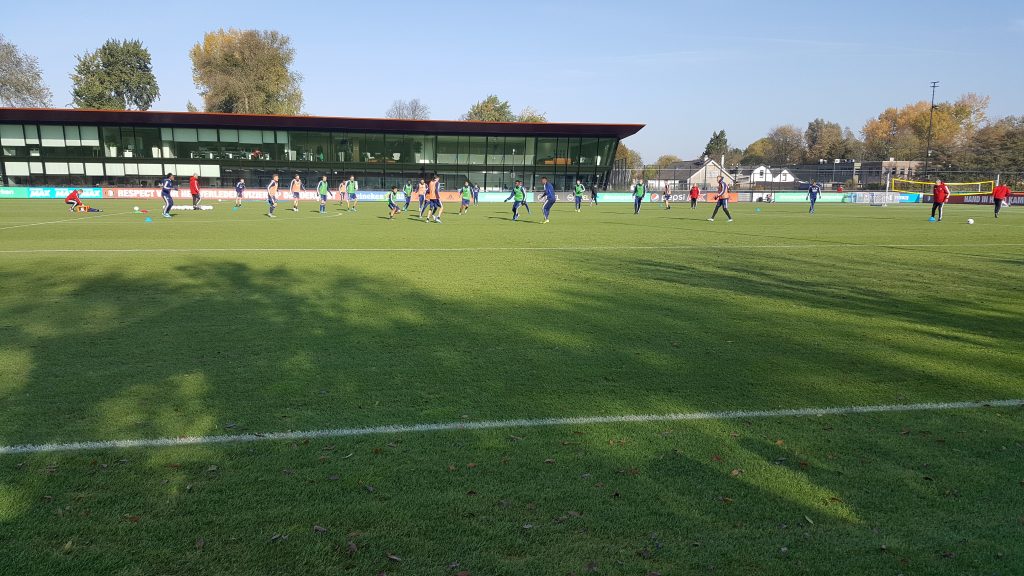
239	191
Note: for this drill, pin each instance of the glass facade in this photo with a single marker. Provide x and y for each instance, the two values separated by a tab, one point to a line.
136	156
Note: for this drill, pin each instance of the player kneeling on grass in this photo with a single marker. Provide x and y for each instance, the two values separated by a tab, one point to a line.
75	201
722	200
393	202
323	189
940	194
467	198
272	195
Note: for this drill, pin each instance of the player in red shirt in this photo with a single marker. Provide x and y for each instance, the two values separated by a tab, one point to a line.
1000	194
694	195
193	187
75	201
940	194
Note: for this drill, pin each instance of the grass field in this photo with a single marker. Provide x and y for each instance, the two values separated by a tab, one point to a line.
226	322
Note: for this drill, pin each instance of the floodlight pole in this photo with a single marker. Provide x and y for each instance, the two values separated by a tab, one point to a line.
931	113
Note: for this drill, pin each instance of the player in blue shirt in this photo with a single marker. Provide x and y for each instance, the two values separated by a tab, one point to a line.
813	191
239	191
165	192
549	198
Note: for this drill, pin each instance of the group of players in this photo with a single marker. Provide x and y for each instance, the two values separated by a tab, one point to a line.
431	208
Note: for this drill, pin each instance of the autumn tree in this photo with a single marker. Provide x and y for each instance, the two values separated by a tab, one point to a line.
247	72
785	145
667	160
411	110
116	76
21	79
902	133
531	115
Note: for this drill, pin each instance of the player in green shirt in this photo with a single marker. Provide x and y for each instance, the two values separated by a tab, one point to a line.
578	193
323	189
467	198
639	191
348	193
518	197
392	197
407	190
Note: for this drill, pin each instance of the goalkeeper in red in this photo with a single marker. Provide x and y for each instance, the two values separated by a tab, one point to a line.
940	194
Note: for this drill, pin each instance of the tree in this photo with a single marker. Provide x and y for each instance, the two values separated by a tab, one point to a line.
117	76
785	145
757	152
717	146
629	157
490	109
824	141
246	72
529	115
411	110
667	160
903	132
999	147
21	80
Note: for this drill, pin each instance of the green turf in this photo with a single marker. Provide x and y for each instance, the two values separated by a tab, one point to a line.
661	312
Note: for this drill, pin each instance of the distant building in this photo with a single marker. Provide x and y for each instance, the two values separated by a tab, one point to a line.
683	175
765	174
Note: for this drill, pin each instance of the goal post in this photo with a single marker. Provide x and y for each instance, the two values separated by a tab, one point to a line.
955	188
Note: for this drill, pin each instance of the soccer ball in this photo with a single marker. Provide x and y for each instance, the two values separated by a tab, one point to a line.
970	220
136	208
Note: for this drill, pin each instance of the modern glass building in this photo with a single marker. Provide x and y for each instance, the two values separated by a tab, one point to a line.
95	148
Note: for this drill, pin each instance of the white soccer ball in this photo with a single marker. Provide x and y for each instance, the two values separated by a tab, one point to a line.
136	208
970	220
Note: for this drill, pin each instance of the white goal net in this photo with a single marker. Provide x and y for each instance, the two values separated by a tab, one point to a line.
875	198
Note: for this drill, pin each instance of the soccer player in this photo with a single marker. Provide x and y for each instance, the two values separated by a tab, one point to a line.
1000	194
667	196
577	193
75	201
467	198
351	187
193	187
421	192
813	191
392	202
323	189
272	195
165	192
407	190
476	194
296	187
593	194
940	194
722	199
549	198
694	196
518	197
639	191
239	191
434	205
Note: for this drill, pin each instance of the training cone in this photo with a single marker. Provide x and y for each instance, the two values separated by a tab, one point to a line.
148	219
757	209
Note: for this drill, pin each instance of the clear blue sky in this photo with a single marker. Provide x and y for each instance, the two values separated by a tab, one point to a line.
683	68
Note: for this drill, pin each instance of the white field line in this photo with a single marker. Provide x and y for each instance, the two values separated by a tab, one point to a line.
66	220
497	424
495	248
